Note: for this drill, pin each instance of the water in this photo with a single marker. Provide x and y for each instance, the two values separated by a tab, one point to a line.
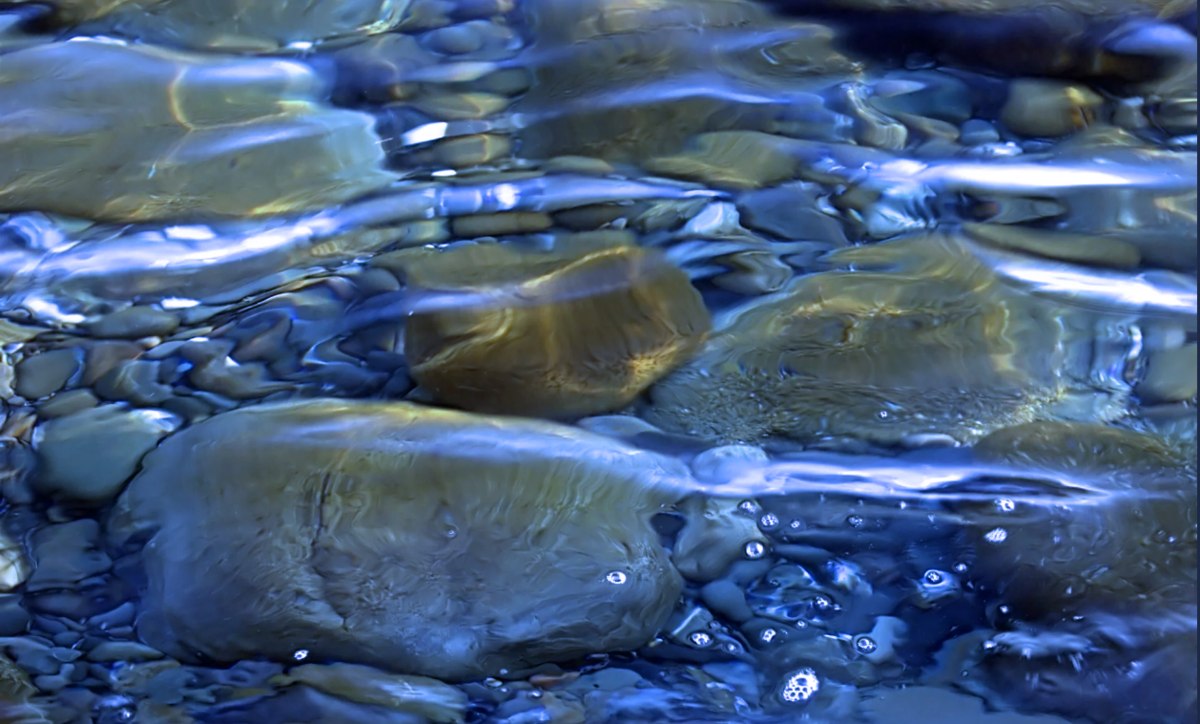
515	361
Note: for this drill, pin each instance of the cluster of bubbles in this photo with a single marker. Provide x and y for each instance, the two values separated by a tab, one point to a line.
801	686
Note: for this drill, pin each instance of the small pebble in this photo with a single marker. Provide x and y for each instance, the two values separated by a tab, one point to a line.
45	373
976	132
135	323
110	651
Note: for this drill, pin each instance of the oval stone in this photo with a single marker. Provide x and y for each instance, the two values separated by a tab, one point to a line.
560	334
419	540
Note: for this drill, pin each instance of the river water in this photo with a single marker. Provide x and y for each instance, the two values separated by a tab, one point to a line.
598	361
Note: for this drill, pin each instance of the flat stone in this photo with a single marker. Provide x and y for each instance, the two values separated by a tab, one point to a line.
563	334
67	403
248	25
934	345
135	323
738	159
532	540
1039	107
790	212
45	373
66	554
429	698
110	651
515	222
216	136
88	456
1170	375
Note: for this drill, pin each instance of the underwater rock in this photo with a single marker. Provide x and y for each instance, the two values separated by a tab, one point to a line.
1124	535
232	24
418	540
429	698
938	348
561	334
1039	107
87	457
134	133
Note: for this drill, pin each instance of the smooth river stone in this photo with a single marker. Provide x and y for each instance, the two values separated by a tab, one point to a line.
132	133
561	334
940	347
418	540
233	24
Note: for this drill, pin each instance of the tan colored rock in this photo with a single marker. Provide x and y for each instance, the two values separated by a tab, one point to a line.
1039	107
135	133
563	334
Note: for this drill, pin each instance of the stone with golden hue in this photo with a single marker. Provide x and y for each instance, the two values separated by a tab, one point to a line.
562	334
422	541
133	133
1040	107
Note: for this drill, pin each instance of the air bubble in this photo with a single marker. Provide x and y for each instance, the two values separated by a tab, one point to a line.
865	645
732	647
822	603
300	655
492	683
996	535
616	578
769	520
700	639
748	506
800	686
768	635
796	525
855	521
960	567
934	578
1006	505
755	550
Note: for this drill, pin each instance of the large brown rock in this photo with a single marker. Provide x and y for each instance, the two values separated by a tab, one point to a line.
419	540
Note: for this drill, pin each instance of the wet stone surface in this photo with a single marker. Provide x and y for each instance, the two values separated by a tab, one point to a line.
598	361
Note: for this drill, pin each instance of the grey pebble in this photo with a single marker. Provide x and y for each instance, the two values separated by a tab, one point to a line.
67	638
14	619
51	684
791	212
110	651
610	679
454	40
88	456
67	403
135	381
976	132
45	373
726	598
135	323
122	615
38	661
66	554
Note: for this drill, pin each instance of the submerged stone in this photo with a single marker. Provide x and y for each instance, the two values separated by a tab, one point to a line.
932	344
561	334
86	457
426	697
418	540
134	133
233	24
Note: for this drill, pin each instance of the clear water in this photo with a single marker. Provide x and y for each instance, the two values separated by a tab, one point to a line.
568	361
